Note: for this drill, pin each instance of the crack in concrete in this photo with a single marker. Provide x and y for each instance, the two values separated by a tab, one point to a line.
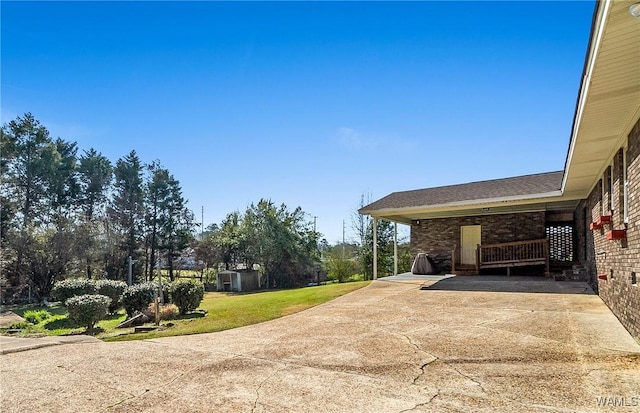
257	399
423	366
422	371
130	395
416	346
161	386
178	376
422	404
466	376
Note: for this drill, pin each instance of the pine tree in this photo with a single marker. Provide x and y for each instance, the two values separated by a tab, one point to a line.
126	213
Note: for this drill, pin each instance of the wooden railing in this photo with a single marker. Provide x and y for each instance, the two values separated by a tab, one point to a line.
511	254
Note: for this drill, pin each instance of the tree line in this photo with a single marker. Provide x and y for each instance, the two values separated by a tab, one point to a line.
280	241
65	214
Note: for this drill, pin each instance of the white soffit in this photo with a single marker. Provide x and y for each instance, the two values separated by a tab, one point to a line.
609	102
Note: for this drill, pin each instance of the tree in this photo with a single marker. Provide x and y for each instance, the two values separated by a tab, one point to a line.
26	166
282	241
228	239
59	235
405	260
363	226
207	250
63	186
94	175
340	268
126	212
157	189
57	217
385	249
38	190
169	222
29	167
175	223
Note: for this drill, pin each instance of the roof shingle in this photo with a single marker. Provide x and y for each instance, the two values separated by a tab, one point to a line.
526	185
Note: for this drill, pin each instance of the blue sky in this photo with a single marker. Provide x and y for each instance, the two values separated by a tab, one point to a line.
308	104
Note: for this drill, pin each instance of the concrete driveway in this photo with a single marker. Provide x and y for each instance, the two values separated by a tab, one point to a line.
461	345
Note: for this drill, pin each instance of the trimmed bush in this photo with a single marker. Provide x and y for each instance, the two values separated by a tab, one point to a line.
88	309
36	316
114	290
136	298
63	290
187	295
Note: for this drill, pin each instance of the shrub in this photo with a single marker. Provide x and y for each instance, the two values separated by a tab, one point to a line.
340	269
63	290
19	325
114	290
137	297
187	295
88	309
36	316
167	311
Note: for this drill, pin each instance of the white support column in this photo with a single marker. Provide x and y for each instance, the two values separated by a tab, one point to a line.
375	248
395	248
239	281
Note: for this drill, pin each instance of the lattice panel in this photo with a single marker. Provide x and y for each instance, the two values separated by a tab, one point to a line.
560	242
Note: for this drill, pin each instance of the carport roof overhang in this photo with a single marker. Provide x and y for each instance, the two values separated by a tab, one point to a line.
608	104
553	201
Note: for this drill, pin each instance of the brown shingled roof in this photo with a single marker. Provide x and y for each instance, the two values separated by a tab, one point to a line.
526	185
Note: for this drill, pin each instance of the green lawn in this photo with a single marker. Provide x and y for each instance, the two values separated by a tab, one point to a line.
217	312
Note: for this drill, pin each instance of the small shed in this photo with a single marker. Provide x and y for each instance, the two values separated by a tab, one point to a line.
237	281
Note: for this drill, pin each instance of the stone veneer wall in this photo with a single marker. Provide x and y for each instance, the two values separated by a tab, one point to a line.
438	237
618	259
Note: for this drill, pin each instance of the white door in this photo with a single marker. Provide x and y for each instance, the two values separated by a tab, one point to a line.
470	236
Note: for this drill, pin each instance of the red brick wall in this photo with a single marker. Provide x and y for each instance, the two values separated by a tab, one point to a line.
618	259
438	237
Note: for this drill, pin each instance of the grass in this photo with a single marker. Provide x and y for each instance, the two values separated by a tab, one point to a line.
231	310
217	312
59	324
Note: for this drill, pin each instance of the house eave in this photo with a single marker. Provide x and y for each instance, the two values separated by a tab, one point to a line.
489	206
607	104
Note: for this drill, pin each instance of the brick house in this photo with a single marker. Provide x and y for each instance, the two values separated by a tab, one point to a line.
583	221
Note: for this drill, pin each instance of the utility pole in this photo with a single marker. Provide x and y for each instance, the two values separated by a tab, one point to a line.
343	239
202	227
